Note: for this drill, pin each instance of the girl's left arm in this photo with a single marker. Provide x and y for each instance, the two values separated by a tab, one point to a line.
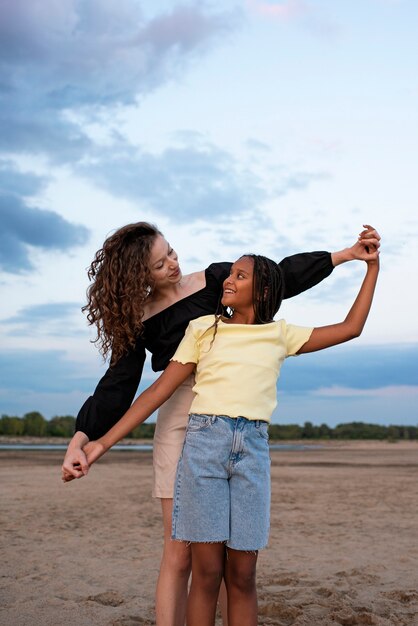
352	326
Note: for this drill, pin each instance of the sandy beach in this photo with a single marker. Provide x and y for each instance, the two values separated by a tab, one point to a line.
343	545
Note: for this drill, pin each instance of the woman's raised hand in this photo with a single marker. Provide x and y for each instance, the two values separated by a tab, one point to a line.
366	248
368	244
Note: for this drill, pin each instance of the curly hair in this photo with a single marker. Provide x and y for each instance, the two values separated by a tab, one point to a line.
121	283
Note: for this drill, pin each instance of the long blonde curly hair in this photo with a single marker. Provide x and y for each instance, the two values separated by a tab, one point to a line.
121	283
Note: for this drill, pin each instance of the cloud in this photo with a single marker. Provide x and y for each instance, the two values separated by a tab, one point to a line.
46	371
13	181
50	382
23	226
299	11
182	183
63	55
53	319
351	367
382	392
298	181
280	9
193	180
65	63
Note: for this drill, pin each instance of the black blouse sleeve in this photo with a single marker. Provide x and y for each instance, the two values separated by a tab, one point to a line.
305	270
113	395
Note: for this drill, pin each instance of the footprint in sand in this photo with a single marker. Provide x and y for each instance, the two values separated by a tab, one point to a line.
132	620
107	598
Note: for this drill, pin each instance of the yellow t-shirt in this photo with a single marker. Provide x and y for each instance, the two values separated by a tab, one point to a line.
237	375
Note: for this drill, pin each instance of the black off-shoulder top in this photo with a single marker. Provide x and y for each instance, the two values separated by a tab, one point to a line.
164	331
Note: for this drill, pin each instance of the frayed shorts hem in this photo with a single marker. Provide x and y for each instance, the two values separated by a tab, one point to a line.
190	542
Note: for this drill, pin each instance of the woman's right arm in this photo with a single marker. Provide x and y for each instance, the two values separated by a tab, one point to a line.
110	400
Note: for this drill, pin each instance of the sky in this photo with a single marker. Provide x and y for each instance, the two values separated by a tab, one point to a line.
273	127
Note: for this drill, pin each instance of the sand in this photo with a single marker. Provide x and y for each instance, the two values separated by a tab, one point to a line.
343	547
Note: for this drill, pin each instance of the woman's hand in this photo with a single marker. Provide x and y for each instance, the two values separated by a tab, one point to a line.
75	463
366	248
369	240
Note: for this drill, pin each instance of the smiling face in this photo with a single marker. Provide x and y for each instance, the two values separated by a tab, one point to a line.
163	264
238	286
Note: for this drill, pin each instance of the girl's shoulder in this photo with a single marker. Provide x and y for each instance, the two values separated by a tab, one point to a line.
203	322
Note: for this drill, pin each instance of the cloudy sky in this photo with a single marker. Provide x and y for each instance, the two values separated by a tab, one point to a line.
266	126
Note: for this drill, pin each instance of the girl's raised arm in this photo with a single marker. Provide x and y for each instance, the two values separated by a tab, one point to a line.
352	326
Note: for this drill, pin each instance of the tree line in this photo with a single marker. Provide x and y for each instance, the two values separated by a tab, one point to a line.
34	424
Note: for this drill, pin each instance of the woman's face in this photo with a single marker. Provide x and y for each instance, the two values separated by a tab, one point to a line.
163	264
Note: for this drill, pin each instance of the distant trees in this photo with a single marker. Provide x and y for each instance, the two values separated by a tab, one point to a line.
350	430
35	425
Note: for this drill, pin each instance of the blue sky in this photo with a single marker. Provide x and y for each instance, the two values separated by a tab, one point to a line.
266	126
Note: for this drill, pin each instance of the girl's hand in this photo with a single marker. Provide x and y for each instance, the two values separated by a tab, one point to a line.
367	246
369	239
75	464
94	450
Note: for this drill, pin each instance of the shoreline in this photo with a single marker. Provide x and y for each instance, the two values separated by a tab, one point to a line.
349	444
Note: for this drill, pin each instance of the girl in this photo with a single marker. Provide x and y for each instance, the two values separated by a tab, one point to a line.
222	493
140	299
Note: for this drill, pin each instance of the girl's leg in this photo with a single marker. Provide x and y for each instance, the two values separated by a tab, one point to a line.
208	564
240	578
223	603
171	593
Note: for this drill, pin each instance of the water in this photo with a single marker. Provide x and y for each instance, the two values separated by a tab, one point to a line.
140	447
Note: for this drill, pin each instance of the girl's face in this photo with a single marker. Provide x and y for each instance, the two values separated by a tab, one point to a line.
163	264
238	287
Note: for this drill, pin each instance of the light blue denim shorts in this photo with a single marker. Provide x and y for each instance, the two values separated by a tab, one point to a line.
222	489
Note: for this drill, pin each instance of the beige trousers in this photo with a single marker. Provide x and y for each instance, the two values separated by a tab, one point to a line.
169	437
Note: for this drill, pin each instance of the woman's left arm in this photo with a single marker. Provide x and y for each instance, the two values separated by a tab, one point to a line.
327	336
305	270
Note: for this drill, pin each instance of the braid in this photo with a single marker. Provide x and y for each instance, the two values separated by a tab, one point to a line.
268	288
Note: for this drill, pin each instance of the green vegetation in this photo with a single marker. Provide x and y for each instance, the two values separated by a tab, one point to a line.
34	424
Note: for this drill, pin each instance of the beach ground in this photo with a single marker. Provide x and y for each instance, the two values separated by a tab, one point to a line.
343	546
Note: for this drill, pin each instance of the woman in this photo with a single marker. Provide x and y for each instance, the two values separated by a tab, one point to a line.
140	299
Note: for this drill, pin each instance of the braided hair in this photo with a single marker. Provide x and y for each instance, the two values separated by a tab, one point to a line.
268	290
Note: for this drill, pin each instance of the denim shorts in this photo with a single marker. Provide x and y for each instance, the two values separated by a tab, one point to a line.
222	489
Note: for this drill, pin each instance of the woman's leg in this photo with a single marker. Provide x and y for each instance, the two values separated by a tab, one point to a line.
240	578
208	564
171	593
